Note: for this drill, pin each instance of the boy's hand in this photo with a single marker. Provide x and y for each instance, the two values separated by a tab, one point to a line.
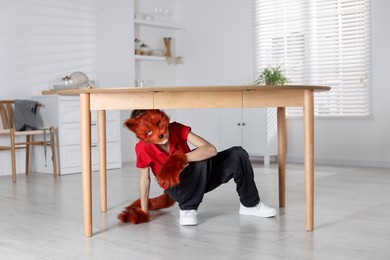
169	174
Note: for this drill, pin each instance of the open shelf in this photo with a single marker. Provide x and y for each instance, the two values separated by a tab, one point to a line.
159	24
149	58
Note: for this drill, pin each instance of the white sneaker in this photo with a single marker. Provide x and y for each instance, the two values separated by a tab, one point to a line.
260	210
188	217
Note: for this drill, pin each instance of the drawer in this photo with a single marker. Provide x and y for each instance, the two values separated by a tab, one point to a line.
69	112
69	134
113	153
111	115
71	155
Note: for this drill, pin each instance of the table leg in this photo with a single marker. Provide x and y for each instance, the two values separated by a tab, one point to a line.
85	134
102	159
281	114
308	118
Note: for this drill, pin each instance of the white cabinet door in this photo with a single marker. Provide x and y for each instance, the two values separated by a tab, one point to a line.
69	111
230	124
254	134
247	128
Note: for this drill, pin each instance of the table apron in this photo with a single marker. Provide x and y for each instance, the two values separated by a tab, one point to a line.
197	99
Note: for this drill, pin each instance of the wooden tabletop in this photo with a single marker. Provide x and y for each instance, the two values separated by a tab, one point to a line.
183	88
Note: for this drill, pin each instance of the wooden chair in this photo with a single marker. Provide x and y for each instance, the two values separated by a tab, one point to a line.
7	120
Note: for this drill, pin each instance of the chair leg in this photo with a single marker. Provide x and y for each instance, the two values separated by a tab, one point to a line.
54	149
27	153
13	157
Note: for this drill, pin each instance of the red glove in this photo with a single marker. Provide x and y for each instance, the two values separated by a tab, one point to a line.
134	214
169	174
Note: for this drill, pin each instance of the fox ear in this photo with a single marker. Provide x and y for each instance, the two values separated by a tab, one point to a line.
132	124
163	115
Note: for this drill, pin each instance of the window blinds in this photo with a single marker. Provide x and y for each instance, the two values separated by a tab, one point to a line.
318	42
45	40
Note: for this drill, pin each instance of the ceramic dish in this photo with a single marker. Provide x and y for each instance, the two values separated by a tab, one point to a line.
79	79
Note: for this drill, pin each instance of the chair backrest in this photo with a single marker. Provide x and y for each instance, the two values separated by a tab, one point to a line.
6	114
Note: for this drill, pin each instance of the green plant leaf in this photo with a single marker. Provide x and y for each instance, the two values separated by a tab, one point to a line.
271	76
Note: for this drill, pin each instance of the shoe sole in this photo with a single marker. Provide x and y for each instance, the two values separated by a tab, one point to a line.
262	216
188	223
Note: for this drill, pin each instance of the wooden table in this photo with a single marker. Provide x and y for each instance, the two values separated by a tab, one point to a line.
102	99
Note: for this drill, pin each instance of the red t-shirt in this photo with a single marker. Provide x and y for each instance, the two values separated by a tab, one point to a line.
149	155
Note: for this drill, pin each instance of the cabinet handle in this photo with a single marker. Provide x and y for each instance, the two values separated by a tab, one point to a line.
94	145
93	124
243	124
238	124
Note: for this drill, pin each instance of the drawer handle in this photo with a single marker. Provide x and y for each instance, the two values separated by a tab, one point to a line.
94	145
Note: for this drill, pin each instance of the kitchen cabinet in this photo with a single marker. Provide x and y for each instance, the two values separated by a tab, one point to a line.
63	112
252	128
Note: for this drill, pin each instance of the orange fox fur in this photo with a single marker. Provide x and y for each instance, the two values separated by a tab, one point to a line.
134	214
169	174
151	126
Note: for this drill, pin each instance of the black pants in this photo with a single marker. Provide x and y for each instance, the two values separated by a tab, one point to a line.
201	177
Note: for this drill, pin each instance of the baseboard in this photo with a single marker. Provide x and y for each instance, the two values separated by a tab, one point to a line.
342	162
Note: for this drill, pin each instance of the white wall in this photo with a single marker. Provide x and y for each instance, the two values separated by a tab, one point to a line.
217	42
115	45
218	50
39	44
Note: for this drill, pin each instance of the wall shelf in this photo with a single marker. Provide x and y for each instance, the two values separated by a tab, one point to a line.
159	24
149	58
151	31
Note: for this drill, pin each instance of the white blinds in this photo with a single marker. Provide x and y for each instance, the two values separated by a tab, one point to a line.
44	40
319	42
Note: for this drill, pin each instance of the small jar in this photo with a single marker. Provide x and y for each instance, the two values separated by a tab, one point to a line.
157	52
145	50
137	46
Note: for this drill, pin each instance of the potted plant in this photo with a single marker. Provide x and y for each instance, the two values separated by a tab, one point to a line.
271	76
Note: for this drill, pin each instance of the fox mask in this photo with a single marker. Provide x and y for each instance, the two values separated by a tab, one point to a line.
150	126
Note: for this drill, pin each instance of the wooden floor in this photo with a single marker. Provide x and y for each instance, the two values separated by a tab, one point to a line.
41	218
